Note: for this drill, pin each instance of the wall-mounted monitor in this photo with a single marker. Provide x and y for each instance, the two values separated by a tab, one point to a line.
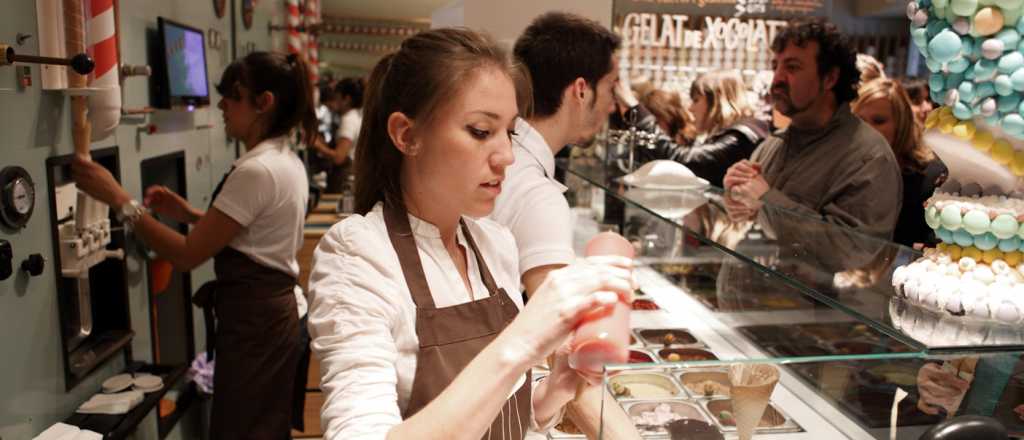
180	80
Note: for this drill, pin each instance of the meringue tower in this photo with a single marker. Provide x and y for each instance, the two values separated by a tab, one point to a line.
975	54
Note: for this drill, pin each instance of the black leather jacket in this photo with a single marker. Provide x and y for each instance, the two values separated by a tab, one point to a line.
712	158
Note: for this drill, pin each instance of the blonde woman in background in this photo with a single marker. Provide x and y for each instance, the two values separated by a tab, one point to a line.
884	104
669	113
727	130
870	68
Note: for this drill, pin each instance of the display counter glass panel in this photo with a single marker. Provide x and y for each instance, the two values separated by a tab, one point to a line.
756	273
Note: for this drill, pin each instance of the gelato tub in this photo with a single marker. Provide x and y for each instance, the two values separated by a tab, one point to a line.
638	356
706	383
643	386
645	304
685	355
666	336
772	420
651	418
693	430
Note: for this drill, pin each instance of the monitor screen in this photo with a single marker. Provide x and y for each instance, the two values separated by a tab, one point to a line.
185	57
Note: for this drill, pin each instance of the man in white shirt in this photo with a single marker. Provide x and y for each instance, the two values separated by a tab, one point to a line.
572	98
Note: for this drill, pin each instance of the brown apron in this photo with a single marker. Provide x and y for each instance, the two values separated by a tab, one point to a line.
451	337
256	335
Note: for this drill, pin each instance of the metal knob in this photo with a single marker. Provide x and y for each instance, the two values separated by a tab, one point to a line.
6	255
966	428
34	264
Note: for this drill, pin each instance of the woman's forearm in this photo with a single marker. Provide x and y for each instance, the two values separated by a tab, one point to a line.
468	406
212	232
549	398
341	150
166	242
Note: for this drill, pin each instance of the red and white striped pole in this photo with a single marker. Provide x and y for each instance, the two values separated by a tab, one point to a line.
294	39
105	104
312	54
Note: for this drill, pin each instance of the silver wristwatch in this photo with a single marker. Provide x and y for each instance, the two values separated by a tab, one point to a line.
130	212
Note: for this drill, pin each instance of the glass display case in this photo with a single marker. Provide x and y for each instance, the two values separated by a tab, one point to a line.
810	300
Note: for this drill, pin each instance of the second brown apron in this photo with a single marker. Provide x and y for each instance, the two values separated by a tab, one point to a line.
451	337
253	334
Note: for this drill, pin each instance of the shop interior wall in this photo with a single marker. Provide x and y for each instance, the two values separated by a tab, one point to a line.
35	125
506	20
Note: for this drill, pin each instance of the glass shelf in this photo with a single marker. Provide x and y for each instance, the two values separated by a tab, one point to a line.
822	398
779	273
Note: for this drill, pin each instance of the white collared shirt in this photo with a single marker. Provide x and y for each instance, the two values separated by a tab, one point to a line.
362	318
349	127
532	203
267	194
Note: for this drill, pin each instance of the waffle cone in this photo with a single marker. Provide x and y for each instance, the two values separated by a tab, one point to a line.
752	387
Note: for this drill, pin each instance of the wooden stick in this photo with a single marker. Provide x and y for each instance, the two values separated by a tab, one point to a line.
585	412
74	43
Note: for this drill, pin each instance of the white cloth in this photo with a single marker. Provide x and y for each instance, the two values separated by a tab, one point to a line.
62	431
326	120
59	431
362	318
351	121
532	203
86	434
267	194
117	403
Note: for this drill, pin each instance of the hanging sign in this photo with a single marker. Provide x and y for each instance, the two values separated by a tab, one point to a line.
787	9
675	31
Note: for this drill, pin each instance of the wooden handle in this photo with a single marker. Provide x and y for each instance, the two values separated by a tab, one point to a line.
585	412
74	38
81	129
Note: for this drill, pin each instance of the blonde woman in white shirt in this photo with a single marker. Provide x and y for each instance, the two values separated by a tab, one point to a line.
415	312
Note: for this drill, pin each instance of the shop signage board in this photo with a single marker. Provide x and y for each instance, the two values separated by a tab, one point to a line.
671	42
783	9
676	31
709	24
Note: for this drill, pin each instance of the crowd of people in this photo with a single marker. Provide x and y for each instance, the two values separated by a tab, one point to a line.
821	154
718	125
414	303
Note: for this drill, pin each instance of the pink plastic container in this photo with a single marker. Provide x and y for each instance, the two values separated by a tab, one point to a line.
603	335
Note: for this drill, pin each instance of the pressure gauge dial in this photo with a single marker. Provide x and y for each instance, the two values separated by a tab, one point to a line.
17	197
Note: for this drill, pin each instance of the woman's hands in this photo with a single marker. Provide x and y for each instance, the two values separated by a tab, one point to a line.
744	187
96	181
547	322
940	388
562	300
169	204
